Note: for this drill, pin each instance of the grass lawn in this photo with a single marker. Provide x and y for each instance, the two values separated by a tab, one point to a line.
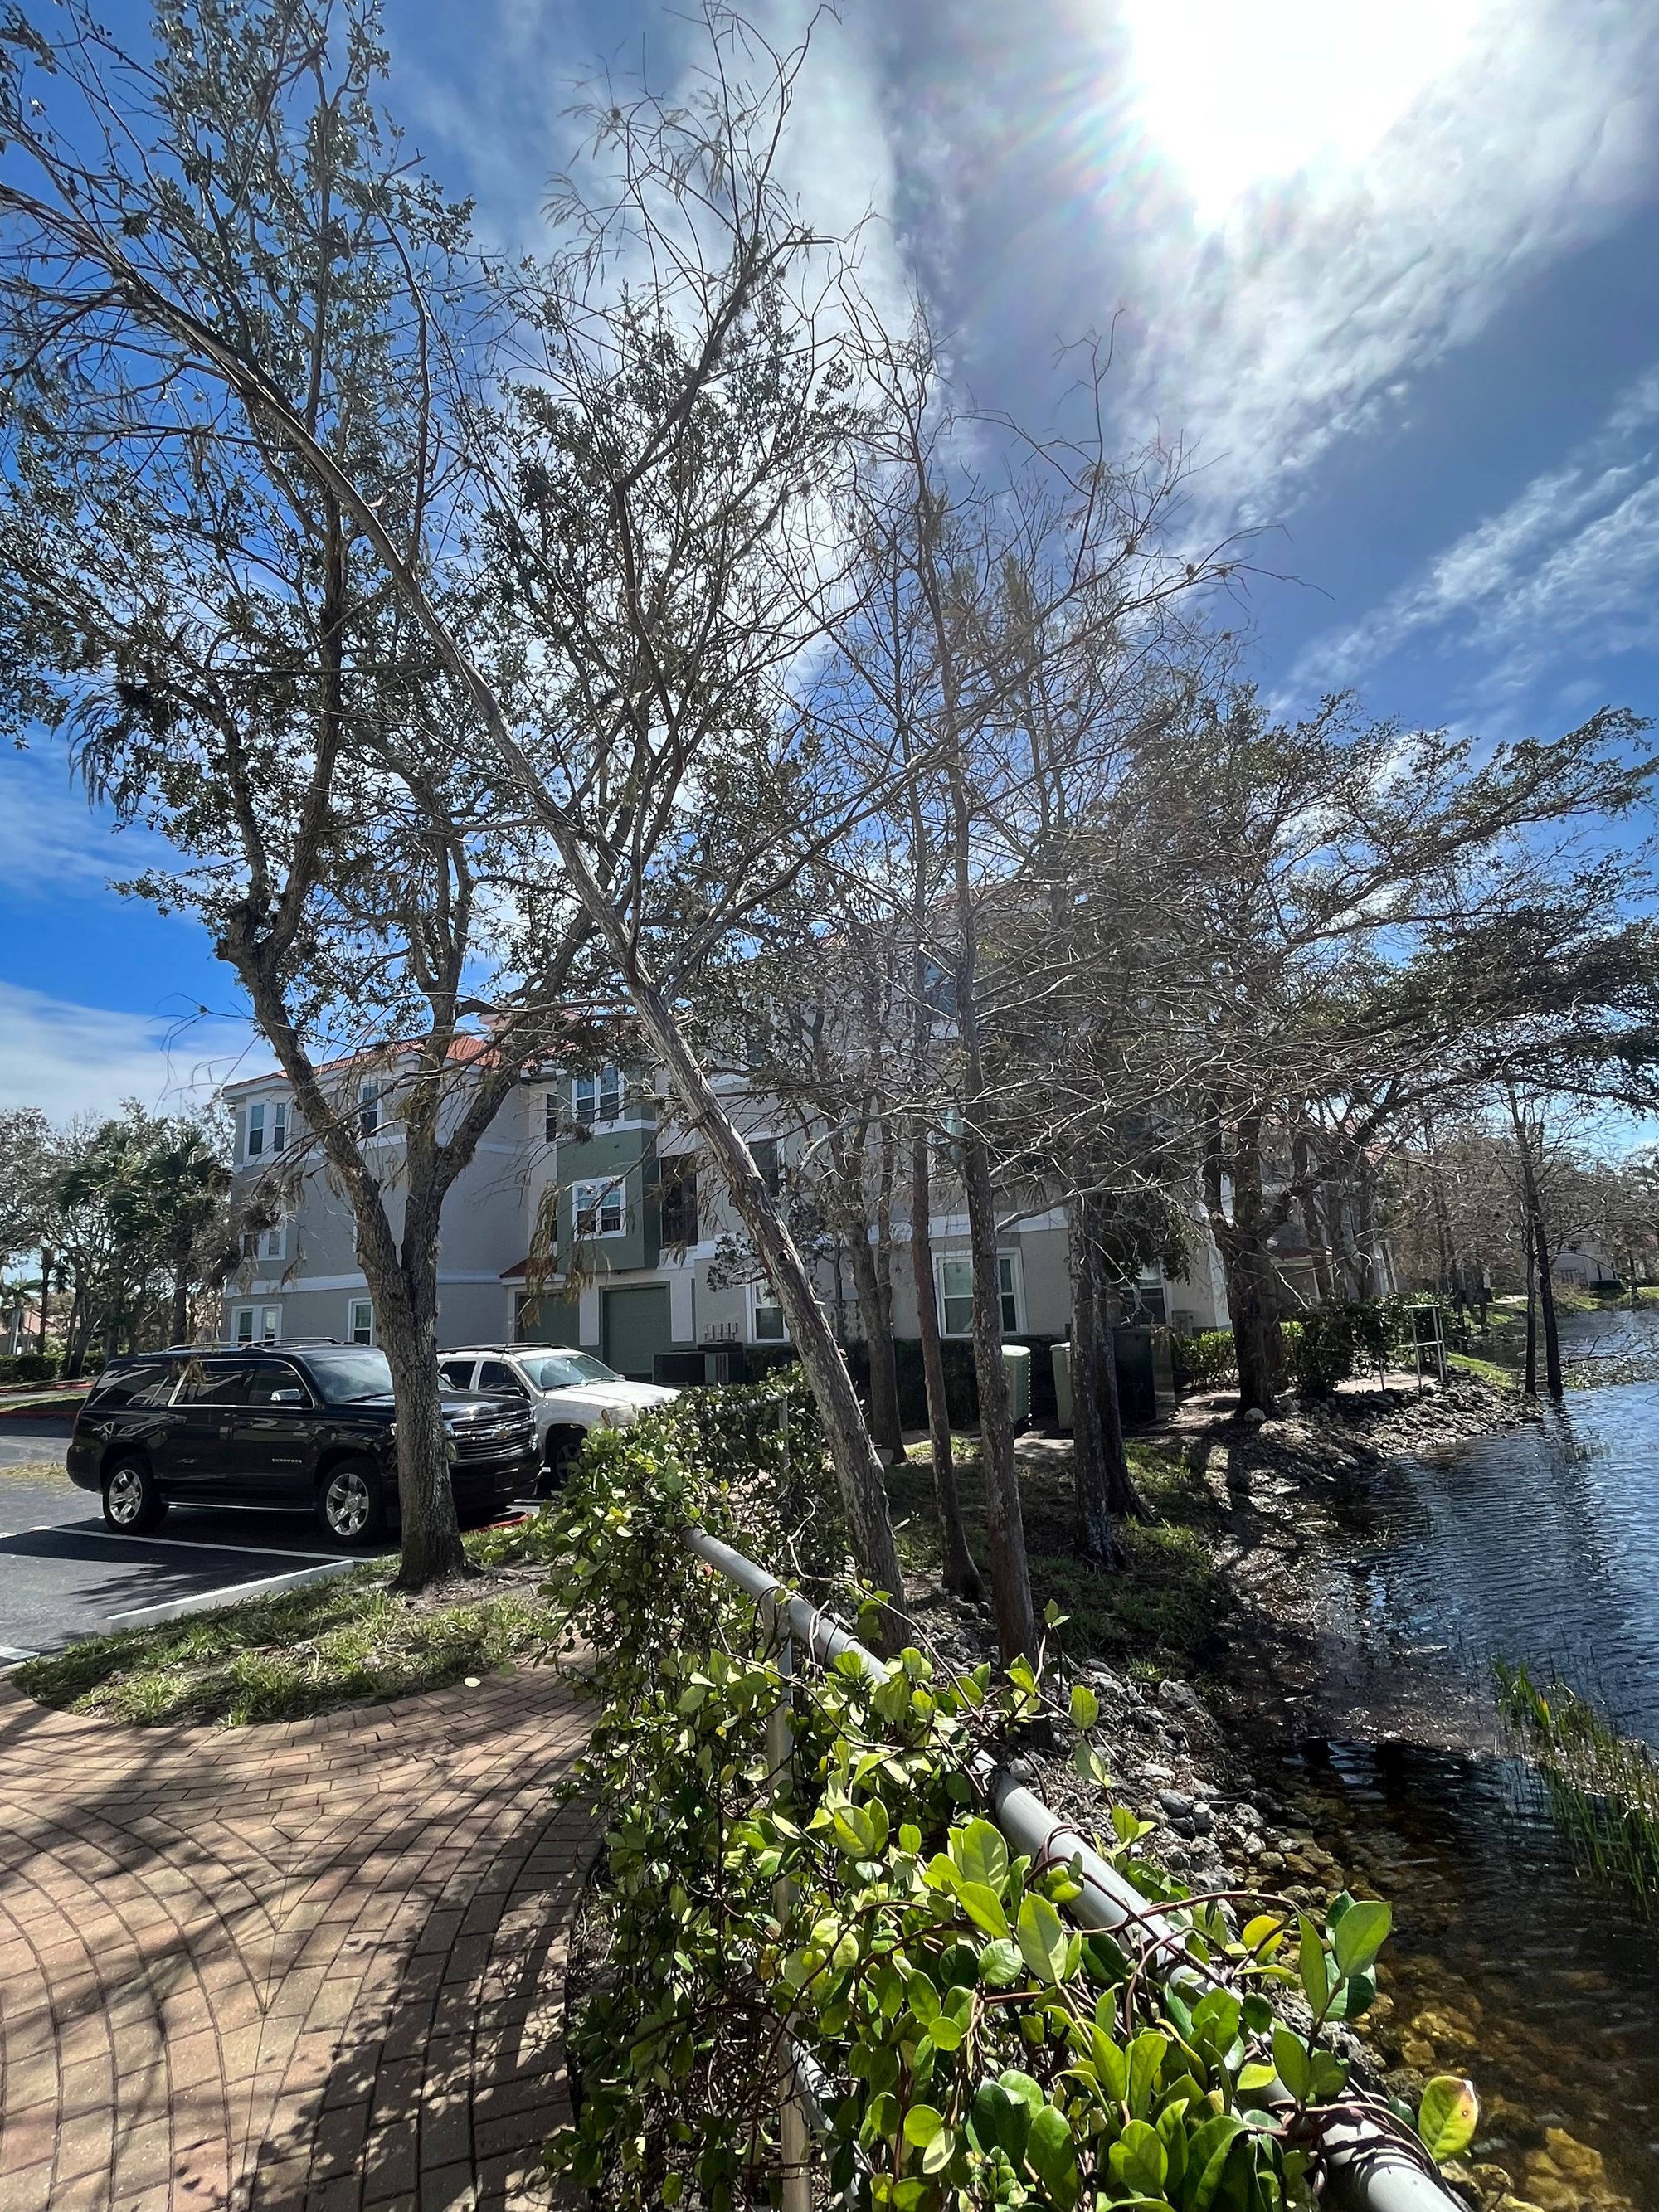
1164	1609
344	1642
1489	1371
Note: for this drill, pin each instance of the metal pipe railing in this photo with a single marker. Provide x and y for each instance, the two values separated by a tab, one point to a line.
1371	2169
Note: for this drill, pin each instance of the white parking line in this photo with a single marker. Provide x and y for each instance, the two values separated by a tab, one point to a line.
230	1594
177	1543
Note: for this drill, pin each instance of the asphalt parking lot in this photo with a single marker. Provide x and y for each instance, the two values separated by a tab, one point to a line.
63	1573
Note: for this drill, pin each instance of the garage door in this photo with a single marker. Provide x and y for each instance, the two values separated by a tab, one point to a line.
637	1328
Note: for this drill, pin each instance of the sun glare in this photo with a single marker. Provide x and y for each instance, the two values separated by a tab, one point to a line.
1240	92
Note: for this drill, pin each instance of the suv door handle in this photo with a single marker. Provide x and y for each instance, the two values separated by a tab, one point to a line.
226	1428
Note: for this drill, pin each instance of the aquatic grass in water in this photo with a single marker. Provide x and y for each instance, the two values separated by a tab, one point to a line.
1603	1787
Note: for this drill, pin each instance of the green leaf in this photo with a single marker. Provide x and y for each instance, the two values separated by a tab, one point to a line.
1000	1963
1264	1934
1360	1934
922	2124
1146	2056
939	2153
979	1853
1042	1940
1311	1965
1139	2159
1052	2155
983	1907
1447	2117
1207	2150
1085	1706
1294	2066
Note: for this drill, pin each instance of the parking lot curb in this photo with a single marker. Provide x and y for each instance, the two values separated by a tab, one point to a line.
151	1616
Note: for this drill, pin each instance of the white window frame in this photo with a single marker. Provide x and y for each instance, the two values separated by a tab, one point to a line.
595	1197
279	1127
354	1307
775	1183
264	1325
1012	1291
762	1298
254	1127
370	1121
603	1090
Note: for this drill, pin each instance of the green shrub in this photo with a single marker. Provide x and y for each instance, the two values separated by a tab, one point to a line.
1207	1360
30	1367
970	2048
1328	1344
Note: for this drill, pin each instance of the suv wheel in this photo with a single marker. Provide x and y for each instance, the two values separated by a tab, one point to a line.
564	1448
133	1503
350	1503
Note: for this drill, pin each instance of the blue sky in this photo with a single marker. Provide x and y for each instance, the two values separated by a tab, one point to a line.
1391	274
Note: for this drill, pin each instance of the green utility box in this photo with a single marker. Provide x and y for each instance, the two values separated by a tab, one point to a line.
1016	1365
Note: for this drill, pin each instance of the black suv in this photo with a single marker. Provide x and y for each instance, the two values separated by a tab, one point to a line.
305	1428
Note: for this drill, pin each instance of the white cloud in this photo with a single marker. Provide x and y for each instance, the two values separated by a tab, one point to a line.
1305	319
51	840
69	1059
1568	570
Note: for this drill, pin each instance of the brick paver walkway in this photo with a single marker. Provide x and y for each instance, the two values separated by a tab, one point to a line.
291	1969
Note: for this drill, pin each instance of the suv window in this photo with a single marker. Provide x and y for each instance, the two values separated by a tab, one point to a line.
218	1383
274	1382
146	1382
496	1374
458	1373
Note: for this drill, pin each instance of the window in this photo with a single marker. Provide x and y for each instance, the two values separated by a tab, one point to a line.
956	1294
946	1141
279	1126
216	1383
245	1320
763	1150
458	1373
368	1110
497	1377
256	1132
769	1325
273	1383
258	1324
550	1125
679	1198
148	1382
265	1243
597	1208
360	1322
596	1098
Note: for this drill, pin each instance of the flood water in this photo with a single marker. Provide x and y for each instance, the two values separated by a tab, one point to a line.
1540	1546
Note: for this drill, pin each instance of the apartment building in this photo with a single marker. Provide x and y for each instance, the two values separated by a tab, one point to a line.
589	1217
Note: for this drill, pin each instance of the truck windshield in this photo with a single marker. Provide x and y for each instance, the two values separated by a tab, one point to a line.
349	1374
563	1370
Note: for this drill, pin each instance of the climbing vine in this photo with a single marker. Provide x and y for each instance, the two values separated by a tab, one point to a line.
850	1911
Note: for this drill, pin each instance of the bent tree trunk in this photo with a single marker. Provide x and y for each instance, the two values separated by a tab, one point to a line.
876	1314
860	1478
961	1575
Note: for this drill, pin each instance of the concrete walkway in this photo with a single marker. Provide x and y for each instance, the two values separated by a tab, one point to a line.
300	1968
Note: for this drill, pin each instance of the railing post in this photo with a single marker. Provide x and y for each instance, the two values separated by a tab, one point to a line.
795	2135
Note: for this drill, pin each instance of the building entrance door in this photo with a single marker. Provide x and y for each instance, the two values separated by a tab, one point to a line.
637	1328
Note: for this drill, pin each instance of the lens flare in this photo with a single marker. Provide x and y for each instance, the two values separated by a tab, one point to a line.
1238	92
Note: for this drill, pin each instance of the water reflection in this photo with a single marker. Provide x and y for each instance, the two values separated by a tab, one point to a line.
1542	1545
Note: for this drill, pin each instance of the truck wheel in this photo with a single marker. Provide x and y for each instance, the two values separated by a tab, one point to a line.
564	1448
133	1503
351	1502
